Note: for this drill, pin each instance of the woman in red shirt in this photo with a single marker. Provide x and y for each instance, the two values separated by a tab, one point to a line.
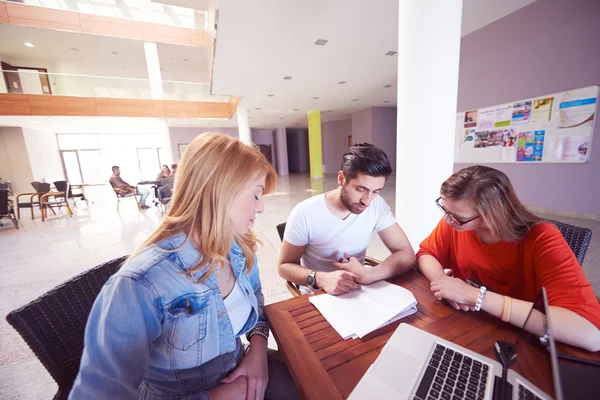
489	236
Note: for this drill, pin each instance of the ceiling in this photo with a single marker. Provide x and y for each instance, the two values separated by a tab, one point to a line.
54	50
259	42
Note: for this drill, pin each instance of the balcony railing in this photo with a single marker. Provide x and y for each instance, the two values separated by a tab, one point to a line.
41	83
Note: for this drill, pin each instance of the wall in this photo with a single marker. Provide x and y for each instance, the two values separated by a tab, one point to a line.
384	131
44	156
335	142
265	136
186	135
547	46
362	126
18	169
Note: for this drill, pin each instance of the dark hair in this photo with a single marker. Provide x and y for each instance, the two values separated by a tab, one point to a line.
173	166
364	158
166	166
495	198
114	168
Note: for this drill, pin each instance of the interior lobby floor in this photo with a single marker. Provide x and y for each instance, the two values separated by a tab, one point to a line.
41	255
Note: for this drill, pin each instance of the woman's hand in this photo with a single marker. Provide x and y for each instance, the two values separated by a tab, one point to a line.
458	293
254	368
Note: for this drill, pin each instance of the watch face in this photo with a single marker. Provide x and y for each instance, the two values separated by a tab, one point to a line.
310	280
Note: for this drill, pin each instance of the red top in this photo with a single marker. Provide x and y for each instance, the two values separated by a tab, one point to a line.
518	270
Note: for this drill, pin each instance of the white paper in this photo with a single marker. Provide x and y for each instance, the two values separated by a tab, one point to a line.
360	312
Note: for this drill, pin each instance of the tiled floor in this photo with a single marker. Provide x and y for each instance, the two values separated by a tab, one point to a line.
40	255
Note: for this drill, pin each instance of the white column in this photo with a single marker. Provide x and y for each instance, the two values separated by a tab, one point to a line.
282	157
428	58
154	75
244	126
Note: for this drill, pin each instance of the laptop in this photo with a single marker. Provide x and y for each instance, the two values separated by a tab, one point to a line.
417	365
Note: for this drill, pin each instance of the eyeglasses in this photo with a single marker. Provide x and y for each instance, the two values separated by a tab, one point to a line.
451	216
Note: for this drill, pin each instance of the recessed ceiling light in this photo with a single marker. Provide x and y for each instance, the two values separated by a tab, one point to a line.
328	111
28	44
35	122
391	53
74	49
281	118
387	86
186	59
114	53
386	101
321	42
287	78
271	95
259	108
354	99
341	82
249	117
295	109
316	98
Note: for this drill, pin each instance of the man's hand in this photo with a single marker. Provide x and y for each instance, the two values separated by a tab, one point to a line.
337	282
355	267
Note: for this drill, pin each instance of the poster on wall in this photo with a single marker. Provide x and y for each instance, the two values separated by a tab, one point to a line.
578	107
552	128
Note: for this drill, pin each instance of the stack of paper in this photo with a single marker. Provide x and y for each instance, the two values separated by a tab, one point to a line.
360	312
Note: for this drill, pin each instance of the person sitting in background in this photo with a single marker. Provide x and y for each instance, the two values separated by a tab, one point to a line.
168	324
326	236
165	173
174	169
118	183
487	235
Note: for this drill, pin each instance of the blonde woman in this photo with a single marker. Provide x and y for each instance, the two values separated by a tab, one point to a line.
487	235
168	324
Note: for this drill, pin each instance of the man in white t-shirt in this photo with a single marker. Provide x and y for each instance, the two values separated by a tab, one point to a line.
326	236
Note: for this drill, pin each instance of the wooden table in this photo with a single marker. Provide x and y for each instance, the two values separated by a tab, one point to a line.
324	366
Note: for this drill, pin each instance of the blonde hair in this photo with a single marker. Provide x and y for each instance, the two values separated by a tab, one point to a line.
211	173
495	198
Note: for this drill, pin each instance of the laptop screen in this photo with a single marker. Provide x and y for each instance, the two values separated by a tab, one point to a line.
538	361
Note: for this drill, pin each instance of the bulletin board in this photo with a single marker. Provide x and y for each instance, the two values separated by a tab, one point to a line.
555	128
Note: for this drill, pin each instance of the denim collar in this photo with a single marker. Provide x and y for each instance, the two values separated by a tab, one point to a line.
189	255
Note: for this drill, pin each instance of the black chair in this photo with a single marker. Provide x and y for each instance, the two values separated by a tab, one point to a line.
58	199
40	190
6	208
72	195
53	325
577	238
291	286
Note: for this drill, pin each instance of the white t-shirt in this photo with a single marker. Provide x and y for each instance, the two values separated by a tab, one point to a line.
238	308
327	237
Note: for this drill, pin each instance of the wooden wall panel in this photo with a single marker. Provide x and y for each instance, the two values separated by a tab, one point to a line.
130	108
101	25
3	13
63	20
42	17
14	104
38	104
62	105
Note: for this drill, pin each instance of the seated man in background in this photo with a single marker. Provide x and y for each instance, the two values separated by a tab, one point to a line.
118	183
326	236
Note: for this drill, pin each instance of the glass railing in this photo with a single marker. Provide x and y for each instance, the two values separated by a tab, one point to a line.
35	82
139	10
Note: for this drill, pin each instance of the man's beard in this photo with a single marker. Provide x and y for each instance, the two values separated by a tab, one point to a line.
354	208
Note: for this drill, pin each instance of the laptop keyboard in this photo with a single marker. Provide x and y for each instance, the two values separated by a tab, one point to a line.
526	394
451	375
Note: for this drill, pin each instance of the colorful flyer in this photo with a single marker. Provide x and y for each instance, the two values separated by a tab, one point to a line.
542	110
503	116
575	148
521	113
578	107
469	137
509	137
530	146
471	119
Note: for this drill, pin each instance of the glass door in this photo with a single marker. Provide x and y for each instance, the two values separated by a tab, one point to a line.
71	164
149	163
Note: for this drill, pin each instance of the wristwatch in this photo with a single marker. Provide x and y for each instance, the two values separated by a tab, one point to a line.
311	279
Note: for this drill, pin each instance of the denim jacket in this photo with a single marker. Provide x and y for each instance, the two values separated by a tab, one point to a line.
154	332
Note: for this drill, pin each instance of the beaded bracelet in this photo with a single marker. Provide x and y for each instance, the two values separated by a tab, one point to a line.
482	290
